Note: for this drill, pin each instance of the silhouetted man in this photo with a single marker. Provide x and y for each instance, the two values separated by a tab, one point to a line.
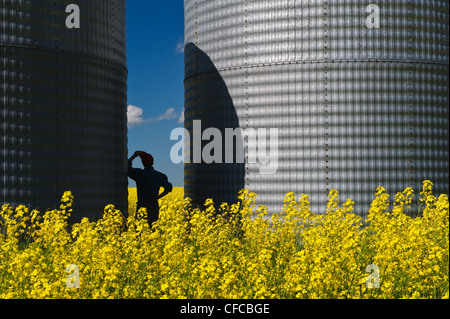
148	183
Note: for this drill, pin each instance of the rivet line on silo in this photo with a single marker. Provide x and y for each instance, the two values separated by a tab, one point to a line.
246	82
340	61
196	63
196	23
325	48
410	95
56	98
113	21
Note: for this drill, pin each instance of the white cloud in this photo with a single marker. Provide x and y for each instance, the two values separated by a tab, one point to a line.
181	118
180	46
135	116
168	115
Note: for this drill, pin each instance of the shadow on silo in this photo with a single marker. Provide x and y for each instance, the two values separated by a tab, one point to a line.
207	99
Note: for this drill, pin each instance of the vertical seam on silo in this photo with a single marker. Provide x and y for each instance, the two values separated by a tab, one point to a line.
4	118
295	103
114	57
325	48
311	174
246	83
289	101
55	98
194	167
410	95
297	166
113	30
196	23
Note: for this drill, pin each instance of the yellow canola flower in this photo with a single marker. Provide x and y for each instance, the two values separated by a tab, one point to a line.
240	251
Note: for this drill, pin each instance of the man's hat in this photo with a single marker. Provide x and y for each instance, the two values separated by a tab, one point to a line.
147	159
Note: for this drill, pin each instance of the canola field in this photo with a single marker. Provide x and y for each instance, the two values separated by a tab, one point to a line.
239	253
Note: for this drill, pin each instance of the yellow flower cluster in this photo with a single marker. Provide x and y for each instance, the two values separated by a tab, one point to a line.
230	251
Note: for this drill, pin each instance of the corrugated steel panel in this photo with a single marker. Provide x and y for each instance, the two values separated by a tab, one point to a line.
356	108
63	100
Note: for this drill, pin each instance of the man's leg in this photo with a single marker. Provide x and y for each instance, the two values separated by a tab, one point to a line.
152	213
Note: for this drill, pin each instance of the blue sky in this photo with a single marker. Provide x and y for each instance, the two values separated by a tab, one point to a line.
155	36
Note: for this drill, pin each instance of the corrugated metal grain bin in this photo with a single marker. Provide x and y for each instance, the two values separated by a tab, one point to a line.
356	107
63	105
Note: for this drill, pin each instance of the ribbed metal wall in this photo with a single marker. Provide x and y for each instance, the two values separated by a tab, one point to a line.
356	108
63	105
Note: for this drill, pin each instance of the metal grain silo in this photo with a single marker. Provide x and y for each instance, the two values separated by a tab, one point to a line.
63	104
356	107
